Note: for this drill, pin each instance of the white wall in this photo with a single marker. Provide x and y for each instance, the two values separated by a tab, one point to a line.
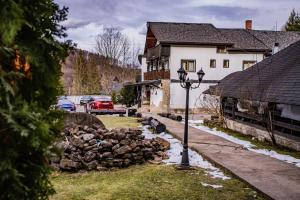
202	55
178	95
143	67
156	96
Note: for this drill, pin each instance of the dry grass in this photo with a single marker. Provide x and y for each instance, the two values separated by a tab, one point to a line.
118	122
159	182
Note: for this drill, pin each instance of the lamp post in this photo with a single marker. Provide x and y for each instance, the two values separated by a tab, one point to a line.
186	83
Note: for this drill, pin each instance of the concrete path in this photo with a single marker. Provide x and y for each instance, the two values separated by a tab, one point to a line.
277	179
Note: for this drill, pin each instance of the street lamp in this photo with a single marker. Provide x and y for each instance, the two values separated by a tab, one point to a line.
187	84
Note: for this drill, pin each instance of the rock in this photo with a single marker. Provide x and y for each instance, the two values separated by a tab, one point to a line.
95	148
93	141
87	137
101	168
76	157
163	143
80	132
88	148
85	128
89	156
107	155
77	142
115	147
122	150
91	165
67	164
106	144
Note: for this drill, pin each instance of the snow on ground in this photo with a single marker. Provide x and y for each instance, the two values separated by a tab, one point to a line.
248	145
210	185
175	157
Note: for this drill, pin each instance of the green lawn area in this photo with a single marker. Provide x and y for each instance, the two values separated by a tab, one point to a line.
147	181
118	122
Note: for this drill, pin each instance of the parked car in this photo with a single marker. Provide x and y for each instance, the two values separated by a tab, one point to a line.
65	104
85	100
101	103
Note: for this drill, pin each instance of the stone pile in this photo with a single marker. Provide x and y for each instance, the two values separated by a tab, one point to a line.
95	147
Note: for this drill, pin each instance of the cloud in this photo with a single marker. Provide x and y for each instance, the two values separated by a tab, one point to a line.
227	12
88	17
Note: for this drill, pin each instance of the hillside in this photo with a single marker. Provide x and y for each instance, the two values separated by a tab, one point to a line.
90	73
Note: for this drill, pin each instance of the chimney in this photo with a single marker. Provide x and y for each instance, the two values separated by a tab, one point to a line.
275	48
248	24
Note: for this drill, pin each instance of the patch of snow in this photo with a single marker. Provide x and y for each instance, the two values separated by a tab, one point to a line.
210	185
246	144
195	159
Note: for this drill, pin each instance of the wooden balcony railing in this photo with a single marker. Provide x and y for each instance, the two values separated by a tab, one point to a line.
156	75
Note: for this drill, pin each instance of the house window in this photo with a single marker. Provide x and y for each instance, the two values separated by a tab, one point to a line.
189	65
248	63
148	66
213	63
221	49
166	63
225	63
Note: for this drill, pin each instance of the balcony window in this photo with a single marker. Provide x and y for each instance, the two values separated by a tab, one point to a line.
213	63
166	65
189	65
148	66
225	63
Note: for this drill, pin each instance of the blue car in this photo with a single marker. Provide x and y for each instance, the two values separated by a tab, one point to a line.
65	104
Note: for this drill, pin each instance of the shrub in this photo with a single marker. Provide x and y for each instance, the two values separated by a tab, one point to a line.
30	60
127	96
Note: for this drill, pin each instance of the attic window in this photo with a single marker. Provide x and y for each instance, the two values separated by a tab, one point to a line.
221	49
248	63
189	65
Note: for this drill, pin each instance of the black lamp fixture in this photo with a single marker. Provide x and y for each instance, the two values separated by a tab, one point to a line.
186	83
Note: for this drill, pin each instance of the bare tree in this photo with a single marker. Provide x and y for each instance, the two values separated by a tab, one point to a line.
113	45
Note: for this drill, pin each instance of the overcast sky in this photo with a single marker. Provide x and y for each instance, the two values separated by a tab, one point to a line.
87	18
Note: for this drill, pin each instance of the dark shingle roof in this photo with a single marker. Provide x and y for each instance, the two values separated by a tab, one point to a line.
235	39
187	33
243	40
284	38
275	79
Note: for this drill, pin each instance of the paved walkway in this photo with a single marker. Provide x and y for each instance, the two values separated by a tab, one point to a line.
277	179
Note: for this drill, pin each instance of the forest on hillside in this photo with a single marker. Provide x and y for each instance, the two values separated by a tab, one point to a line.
90	73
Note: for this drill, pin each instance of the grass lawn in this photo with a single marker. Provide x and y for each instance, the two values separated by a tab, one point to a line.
147	182
118	122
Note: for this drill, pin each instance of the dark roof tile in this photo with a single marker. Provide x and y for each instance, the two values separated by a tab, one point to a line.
275	79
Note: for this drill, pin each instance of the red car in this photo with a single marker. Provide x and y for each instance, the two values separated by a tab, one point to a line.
101	103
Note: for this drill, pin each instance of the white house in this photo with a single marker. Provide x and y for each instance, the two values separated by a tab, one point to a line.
219	52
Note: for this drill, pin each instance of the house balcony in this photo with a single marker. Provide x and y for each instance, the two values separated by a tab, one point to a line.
158	52
156	75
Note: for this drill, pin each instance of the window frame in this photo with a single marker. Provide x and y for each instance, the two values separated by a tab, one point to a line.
221	47
210	63
244	61
189	60
226	60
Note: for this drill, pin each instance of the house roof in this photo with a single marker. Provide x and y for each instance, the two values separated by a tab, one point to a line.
166	32
284	38
242	39
202	33
275	79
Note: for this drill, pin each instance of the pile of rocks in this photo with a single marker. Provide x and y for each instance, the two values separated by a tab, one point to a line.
95	147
